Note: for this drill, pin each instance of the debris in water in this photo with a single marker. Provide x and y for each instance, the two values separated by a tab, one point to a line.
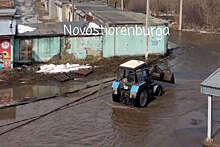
84	72
64	77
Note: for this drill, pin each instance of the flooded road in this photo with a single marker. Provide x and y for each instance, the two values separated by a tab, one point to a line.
22	93
176	119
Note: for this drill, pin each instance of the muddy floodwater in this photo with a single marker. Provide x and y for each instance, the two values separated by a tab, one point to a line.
177	119
20	93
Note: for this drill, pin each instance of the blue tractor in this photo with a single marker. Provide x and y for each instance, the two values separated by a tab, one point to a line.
135	85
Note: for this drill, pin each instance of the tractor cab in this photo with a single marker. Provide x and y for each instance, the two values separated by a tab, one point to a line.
133	73
134	84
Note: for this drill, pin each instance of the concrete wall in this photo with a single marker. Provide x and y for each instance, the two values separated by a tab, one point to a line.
83	47
121	45
44	49
158	44
108	45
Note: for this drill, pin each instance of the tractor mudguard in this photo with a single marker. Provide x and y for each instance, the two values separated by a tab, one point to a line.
115	85
134	88
134	91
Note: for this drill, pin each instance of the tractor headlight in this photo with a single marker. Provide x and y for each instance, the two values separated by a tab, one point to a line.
115	90
133	95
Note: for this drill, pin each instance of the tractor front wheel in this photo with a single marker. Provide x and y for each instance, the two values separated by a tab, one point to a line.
159	91
115	98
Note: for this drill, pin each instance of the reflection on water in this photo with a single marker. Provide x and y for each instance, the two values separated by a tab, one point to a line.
23	93
6	96
8	113
15	94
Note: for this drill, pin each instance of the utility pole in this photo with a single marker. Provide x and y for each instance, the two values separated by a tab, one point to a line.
181	15
122	5
73	10
147	25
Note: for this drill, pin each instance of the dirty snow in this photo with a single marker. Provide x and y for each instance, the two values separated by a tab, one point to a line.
93	25
62	68
23	29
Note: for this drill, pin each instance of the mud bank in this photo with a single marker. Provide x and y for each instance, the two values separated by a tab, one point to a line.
103	68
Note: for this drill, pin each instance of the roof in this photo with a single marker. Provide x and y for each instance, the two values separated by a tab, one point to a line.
5	29
62	2
132	64
119	18
7	12
77	1
53	29
94	6
211	85
108	16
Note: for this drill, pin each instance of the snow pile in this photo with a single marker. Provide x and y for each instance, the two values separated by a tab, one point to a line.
62	68
93	26
23	29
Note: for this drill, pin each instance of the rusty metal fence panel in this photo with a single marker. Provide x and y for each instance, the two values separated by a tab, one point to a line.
6	4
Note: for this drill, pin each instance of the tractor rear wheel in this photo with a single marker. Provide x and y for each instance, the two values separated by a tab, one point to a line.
142	99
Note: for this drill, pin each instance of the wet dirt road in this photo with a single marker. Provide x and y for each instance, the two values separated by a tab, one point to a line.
176	119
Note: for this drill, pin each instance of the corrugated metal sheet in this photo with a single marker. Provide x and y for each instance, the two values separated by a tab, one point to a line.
211	85
210	91
7	12
46	48
83	47
133	44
